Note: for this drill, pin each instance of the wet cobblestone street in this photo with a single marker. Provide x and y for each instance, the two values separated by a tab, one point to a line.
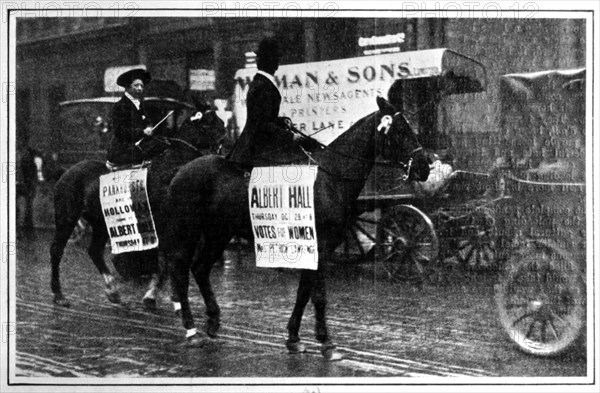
384	330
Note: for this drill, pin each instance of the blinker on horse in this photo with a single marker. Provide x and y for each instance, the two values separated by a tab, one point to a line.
77	194
208	204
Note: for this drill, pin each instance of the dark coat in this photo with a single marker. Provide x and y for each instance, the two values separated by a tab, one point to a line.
128	128
262	135
26	173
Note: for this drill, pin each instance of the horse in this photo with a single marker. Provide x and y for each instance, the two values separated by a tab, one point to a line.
76	195
208	205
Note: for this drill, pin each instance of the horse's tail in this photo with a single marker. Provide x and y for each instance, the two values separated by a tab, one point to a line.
69	192
190	192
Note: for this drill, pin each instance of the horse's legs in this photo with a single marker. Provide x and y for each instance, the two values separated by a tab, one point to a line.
319	299
180	260
312	286
96	252
209	254
174	295
175	300
156	283
61	237
293	343
67	209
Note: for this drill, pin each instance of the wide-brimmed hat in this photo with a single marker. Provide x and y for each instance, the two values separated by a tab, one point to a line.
126	78
269	48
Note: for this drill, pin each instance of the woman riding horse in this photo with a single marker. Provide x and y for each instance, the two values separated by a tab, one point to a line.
208	205
76	195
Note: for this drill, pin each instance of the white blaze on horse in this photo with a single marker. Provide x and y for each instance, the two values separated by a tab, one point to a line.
208	204
76	195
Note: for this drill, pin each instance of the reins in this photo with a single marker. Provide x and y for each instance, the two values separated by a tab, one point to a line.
167	141
406	166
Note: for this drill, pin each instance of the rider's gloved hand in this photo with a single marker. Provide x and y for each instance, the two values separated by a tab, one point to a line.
297	138
286	123
306	142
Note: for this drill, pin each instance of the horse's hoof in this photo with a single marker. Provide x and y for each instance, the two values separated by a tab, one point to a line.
114	297
177	308
61	301
149	304
295	347
330	353
212	328
195	341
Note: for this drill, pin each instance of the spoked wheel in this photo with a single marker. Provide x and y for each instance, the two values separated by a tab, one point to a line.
541	300
478	249
359	239
408	245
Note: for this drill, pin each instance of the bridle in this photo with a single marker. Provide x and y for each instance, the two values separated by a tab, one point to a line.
383	126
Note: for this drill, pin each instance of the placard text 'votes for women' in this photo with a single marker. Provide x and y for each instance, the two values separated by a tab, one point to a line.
283	217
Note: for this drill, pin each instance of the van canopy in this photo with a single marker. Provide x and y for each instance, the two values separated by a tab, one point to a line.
538	86
543	120
456	73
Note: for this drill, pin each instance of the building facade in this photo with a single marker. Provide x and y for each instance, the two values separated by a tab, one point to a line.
62	59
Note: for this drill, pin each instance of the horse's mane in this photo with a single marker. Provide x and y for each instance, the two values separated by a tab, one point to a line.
348	132
349	155
192	139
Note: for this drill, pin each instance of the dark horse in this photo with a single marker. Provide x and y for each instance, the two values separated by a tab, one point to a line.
208	204
76	194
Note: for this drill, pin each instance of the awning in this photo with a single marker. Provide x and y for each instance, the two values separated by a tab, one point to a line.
324	98
458	73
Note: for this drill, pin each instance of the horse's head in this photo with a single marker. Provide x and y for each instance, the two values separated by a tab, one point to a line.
398	143
205	131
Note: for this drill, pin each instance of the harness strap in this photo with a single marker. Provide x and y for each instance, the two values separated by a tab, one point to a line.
382	125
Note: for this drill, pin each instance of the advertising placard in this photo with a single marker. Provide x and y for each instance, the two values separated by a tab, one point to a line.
283	218
325	98
126	211
202	80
